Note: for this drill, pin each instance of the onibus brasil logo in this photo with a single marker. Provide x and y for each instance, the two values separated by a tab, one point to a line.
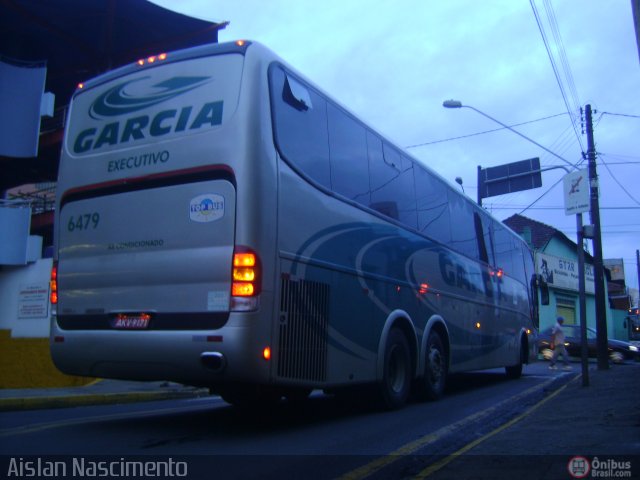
135	95
581	467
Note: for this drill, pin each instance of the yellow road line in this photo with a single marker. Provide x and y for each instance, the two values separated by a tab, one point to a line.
411	447
445	461
94	382
381	462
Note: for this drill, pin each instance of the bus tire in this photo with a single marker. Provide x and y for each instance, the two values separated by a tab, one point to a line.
397	373
515	371
431	385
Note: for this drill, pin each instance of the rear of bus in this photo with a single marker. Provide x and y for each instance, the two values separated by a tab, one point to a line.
159	268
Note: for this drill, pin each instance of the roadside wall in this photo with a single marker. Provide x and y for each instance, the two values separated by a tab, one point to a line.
25	316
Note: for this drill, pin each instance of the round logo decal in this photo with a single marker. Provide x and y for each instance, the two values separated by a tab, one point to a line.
206	208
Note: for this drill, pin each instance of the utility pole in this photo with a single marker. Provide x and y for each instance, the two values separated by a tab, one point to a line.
584	348
479	185
638	267
601	306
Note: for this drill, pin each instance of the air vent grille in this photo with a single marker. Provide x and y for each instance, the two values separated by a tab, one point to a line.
304	320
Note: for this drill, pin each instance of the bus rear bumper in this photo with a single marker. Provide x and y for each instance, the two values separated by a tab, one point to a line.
201	358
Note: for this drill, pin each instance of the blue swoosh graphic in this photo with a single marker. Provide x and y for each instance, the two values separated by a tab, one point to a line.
116	101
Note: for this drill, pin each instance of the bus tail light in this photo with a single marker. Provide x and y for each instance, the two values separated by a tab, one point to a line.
246	280
496	272
53	284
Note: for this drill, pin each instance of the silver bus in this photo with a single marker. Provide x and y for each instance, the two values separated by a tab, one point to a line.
222	222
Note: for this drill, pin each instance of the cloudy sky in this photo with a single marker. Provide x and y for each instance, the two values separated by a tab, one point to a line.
393	63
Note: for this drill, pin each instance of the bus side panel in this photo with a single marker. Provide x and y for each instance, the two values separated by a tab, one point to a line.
377	267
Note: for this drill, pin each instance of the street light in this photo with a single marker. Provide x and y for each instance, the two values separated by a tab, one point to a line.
458	104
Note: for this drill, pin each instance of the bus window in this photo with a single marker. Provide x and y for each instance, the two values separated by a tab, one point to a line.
381	174
348	150
392	189
296	94
482	244
301	133
433	208
463	234
503	245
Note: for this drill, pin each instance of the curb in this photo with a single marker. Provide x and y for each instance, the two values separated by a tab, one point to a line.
92	399
65	401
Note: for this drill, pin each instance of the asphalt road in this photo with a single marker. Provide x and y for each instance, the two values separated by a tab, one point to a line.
324	438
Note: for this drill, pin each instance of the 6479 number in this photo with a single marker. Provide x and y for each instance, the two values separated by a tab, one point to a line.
83	221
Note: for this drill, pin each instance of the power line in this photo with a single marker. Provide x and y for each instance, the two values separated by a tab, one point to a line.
621	155
620	115
618	182
621	163
607	232
485	131
623	225
562	53
555	30
498	206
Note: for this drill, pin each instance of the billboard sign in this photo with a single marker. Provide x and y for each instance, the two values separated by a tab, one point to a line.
563	272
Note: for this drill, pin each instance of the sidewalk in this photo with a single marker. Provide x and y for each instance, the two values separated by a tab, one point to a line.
600	422
99	392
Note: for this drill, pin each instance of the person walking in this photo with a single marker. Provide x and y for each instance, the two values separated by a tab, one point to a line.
557	340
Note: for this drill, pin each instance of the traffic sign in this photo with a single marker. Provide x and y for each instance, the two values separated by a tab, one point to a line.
509	178
576	192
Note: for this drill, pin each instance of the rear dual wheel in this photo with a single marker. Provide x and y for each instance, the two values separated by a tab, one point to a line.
397	374
515	371
431	385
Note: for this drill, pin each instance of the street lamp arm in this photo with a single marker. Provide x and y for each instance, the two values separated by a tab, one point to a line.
458	104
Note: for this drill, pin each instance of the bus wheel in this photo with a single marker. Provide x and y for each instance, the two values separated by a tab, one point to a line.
396	379
515	371
431	385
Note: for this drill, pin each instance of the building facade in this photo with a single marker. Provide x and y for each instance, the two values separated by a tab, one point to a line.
556	260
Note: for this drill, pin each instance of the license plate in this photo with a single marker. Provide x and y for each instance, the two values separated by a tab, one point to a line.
135	321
